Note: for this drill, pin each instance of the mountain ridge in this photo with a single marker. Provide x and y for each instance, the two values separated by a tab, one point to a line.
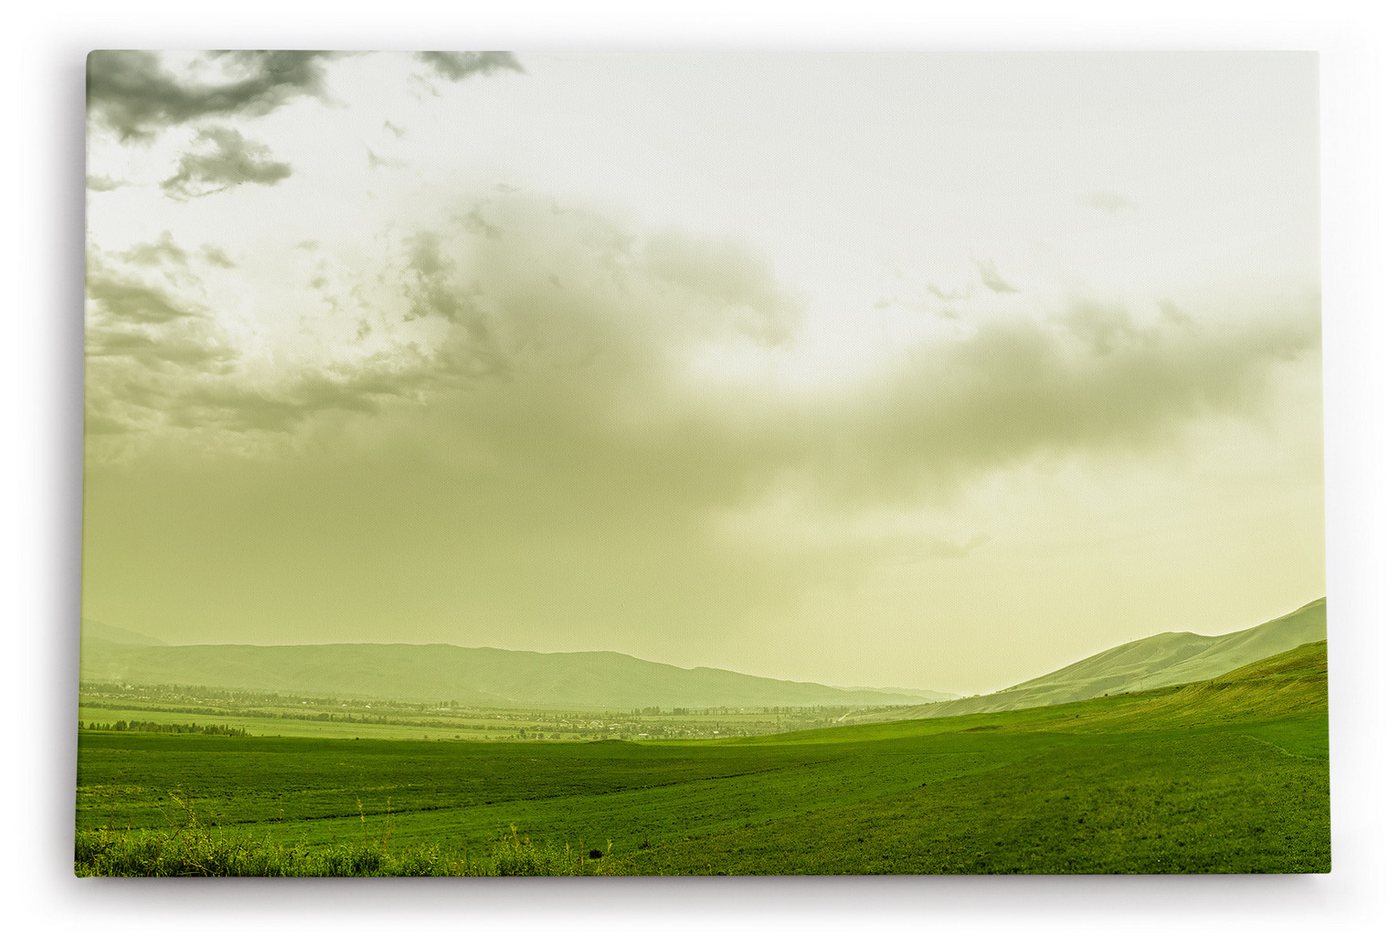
602	679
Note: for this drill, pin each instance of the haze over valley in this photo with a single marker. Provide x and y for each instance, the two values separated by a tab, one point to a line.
495	678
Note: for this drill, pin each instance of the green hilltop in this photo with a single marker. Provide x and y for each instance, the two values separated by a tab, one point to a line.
1167	659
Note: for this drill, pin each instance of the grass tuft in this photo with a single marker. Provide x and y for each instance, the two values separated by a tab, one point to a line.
196	851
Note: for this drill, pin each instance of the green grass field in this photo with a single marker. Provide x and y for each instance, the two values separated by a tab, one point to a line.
328	717
1229	775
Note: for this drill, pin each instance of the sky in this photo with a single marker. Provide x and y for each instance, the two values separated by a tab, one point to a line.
929	370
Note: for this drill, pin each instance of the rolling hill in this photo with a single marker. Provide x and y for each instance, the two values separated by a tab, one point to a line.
1166	659
439	672
98	631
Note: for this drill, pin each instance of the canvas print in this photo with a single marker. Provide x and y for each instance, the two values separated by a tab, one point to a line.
525	463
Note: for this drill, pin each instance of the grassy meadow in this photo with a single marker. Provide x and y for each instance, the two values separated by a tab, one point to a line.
1226	775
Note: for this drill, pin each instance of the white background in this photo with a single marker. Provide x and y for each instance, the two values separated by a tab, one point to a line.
43	155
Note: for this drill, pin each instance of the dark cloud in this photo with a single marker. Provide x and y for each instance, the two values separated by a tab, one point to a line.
987	270
241	409
729	279
283	406
1089	383
160	252
573	321
146	345
526	284
119	298
455	66
216	256
1102	327
230	160
132	93
189	379
432	290
476	220
187	349
425	255
102	183
568	340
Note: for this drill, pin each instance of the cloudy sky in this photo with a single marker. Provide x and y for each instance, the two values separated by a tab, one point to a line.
924	370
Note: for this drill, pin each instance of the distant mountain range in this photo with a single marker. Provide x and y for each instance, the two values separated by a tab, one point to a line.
440	672
490	677
1167	659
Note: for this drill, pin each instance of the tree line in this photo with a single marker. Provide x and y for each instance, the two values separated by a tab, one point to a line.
164	728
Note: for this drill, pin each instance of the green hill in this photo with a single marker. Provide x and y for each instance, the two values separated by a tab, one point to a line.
1228	775
1282	686
1161	660
471	676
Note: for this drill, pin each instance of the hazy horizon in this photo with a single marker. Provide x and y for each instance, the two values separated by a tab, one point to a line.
936	371
956	691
